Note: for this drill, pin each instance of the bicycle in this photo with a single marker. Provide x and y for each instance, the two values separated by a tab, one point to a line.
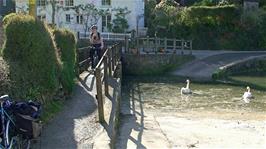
10	136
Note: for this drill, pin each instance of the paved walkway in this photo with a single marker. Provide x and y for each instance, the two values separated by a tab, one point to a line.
76	126
207	63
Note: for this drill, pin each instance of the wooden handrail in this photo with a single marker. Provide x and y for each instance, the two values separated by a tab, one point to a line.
106	66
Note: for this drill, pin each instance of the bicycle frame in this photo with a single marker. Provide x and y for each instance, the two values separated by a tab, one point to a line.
6	121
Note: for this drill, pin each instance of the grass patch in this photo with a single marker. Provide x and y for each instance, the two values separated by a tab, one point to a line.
258	82
50	109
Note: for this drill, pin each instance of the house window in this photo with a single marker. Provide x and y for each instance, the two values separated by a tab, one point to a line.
67	18
69	2
79	19
4	2
106	2
106	22
41	2
42	17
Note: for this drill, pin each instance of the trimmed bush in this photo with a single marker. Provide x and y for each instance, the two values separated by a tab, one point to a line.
30	51
66	44
4	77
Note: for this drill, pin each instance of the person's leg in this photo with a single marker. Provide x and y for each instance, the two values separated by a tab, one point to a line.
92	51
98	50
99	53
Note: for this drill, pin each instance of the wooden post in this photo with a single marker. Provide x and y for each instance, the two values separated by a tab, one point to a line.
106	90
190	47
109	62
113	59
156	46
126	44
182	46
138	45
148	43
174	45
165	43
99	95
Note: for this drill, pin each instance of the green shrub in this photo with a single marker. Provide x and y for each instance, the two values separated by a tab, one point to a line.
4	77
30	51
210	27
66	43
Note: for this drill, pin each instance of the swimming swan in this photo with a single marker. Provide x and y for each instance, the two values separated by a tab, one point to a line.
247	96
186	90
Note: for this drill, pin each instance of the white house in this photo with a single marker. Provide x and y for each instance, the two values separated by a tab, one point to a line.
70	18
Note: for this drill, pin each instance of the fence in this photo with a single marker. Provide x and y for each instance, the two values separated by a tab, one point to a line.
157	45
106	36
83	58
105	69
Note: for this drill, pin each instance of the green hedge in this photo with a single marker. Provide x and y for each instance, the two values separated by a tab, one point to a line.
66	44
30	51
4	77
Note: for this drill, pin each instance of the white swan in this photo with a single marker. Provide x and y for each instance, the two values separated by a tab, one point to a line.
186	90
247	96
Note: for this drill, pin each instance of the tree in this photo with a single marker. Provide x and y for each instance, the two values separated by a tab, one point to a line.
120	23
90	13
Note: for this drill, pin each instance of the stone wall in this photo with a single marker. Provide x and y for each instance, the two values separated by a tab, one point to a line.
254	65
152	64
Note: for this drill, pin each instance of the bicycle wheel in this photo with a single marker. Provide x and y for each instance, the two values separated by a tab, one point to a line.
10	137
23	143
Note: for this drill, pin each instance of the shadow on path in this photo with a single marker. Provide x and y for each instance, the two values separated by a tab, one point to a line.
132	118
75	126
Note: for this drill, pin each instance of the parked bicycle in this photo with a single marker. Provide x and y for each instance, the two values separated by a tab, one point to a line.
19	123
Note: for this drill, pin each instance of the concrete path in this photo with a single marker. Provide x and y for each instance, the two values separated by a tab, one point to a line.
76	126
207	63
138	130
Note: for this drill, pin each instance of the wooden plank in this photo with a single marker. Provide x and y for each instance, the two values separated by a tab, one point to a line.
99	95
106	90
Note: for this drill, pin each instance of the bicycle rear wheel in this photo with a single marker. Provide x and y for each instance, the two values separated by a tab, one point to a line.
15	140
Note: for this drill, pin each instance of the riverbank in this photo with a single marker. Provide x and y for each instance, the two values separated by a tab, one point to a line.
155	115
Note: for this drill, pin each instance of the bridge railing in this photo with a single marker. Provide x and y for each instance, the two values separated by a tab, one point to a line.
157	45
105	68
106	36
83	58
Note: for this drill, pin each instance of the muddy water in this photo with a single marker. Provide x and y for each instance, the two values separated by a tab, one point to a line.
165	96
214	116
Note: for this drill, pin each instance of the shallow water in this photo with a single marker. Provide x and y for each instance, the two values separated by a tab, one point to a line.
165	95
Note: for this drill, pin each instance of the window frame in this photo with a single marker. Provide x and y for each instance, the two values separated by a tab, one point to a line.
106	2
79	19
69	3
68	18
4	3
41	3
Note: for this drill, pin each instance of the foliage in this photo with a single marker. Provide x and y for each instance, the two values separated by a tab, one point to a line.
206	3
66	44
4	77
120	24
149	15
30	51
90	13
210	27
